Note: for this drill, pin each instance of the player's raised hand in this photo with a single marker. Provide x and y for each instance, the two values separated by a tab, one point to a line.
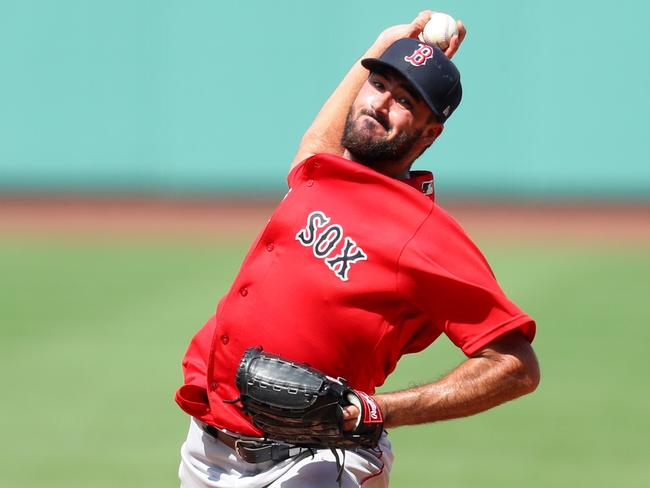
412	29
456	40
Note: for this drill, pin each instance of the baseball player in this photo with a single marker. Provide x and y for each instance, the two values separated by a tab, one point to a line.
357	266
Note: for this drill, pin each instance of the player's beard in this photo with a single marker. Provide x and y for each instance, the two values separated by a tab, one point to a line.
374	150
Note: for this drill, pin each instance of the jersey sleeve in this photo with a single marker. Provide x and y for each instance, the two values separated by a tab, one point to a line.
445	275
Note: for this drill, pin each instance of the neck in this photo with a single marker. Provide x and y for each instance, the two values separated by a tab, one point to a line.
394	169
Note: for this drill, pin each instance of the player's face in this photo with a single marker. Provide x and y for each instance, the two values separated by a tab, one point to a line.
387	122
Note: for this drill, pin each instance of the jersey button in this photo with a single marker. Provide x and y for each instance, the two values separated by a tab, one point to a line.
213	385
225	339
310	182
243	291
269	247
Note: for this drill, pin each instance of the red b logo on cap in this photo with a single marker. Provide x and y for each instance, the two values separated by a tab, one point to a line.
420	55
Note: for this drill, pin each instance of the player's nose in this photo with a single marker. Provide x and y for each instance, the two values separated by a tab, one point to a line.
381	101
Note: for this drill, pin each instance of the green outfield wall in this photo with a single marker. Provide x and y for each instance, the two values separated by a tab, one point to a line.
203	96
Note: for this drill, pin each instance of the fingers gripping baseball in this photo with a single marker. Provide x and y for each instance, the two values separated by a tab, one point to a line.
420	23
456	40
414	30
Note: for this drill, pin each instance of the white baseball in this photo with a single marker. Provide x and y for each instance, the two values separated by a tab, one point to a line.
439	30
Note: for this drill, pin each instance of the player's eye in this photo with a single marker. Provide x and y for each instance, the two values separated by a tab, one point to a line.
378	85
405	102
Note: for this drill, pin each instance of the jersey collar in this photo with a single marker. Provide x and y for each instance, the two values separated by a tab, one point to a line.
422	181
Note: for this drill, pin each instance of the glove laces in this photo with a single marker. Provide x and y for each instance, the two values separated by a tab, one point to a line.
340	464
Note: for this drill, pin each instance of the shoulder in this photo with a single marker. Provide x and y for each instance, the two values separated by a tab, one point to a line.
440	226
443	242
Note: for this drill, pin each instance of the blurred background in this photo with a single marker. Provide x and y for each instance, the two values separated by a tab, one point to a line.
144	143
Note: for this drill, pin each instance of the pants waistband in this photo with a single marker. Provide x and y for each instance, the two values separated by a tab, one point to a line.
253	450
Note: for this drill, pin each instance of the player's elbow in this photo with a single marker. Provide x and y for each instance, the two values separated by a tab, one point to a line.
530	376
519	369
525	370
515	362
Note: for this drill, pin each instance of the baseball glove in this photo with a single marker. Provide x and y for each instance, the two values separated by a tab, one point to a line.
297	404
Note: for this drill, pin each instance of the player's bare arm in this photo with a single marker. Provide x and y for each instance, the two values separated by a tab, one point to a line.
505	369
324	135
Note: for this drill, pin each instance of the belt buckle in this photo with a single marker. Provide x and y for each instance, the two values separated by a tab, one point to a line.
242	444
238	443
253	451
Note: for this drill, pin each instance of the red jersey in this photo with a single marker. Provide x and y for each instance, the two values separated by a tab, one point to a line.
353	270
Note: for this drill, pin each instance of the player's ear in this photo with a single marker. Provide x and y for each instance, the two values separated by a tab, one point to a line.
431	132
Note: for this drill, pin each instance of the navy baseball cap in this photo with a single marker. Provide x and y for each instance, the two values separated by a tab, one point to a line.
432	74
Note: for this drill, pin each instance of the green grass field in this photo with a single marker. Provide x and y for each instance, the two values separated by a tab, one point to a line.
92	335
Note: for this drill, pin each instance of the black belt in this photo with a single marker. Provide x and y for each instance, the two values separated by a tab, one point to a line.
254	450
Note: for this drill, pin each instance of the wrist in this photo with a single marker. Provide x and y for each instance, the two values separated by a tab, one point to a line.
384	407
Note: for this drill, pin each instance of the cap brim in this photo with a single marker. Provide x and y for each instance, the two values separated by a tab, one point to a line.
374	64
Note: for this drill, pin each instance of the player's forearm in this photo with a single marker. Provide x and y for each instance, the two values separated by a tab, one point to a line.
324	134
478	384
